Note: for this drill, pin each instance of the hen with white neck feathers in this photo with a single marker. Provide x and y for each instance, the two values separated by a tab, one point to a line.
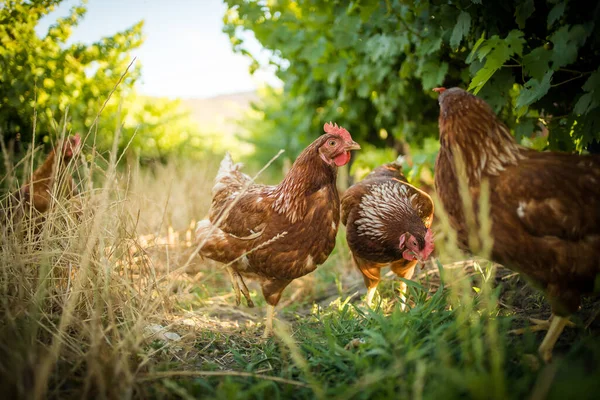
387	223
276	234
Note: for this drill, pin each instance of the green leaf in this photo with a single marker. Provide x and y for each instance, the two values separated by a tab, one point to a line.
496	52
496	92
475	48
524	129
461	29
567	42
523	12
587	129
557	11
532	92
537	63
429	45
433	74
384	46
514	40
591	99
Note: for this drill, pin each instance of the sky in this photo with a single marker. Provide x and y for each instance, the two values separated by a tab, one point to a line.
185	53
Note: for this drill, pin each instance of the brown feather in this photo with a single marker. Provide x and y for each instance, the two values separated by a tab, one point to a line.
545	206
276	233
376	212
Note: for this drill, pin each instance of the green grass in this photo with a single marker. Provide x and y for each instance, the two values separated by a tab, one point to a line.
77	301
349	351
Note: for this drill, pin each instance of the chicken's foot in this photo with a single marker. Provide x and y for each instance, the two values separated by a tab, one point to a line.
556	327
269	321
538	325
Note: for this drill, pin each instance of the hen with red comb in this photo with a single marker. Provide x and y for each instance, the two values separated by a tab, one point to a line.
275	234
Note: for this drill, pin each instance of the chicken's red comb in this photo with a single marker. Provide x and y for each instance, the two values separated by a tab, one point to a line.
337	130
73	141
439	90
429	243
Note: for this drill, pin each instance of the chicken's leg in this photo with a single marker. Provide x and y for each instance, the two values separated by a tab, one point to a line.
402	292
244	289
269	321
272	290
371	275
406	271
236	286
556	327
370	294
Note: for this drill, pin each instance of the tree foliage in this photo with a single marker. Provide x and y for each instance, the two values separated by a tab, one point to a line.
47	75
66	85
371	65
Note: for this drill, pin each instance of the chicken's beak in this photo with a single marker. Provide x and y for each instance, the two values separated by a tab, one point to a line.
352	146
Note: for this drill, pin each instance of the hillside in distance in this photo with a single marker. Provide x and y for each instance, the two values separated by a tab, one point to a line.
220	113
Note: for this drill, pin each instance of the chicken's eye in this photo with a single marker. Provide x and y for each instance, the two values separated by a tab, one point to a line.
332	143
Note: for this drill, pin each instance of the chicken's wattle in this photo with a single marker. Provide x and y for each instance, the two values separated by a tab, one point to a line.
408	255
342	159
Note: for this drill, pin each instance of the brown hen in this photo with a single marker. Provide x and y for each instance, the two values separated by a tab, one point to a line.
387	223
276	234
49	182
38	190
545	206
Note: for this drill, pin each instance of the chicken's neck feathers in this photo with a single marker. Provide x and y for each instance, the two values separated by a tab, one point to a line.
308	174
484	142
52	167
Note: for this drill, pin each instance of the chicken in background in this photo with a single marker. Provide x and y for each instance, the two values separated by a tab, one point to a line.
544	206
387	222
35	197
276	234
37	192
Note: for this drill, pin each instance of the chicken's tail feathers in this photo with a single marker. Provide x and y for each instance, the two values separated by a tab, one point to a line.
399	161
227	167
229	175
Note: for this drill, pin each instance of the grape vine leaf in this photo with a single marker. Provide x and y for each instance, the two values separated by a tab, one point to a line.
429	45
524	129
532	92
382	47
496	52
536	63
567	41
461	29
433	74
557	11
496	91
523	12
473	53
591	99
